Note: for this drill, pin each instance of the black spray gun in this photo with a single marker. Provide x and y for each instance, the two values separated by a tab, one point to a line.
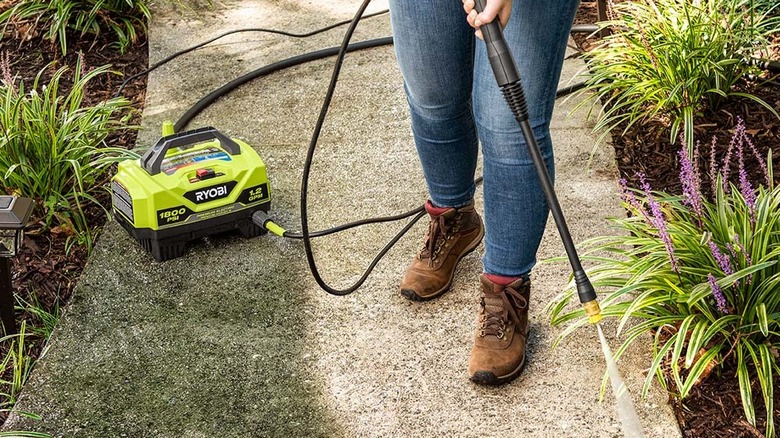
505	71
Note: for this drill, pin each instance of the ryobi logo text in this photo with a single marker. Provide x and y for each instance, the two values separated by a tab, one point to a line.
211	193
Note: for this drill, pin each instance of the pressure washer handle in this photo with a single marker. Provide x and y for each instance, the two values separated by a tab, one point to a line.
153	158
508	78
498	52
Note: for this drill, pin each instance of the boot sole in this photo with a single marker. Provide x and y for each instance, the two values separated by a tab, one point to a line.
412	295
490	379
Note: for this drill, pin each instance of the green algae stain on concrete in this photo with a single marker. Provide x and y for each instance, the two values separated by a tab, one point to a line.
209	345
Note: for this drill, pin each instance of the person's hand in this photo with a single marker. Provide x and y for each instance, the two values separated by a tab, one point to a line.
493	8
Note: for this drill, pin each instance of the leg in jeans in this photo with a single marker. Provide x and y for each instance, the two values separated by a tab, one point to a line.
434	46
515	207
435	49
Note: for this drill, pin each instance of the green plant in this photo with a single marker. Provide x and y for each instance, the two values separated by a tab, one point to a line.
19	362
43	321
122	17
702	275
666	59
53	148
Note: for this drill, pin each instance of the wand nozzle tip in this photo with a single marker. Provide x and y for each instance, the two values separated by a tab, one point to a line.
593	311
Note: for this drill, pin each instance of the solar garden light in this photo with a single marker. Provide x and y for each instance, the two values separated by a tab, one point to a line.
14	214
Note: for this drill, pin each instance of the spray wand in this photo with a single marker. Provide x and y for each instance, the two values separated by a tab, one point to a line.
508	78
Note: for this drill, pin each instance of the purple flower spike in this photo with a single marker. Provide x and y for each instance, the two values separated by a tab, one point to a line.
691	184
720	299
736	140
761	160
658	221
723	260
713	166
627	195
746	189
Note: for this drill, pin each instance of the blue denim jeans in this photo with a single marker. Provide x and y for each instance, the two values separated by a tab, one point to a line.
455	104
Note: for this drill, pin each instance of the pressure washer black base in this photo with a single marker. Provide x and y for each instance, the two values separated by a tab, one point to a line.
167	244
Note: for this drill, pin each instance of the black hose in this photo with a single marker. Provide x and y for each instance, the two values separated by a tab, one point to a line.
202	104
253	29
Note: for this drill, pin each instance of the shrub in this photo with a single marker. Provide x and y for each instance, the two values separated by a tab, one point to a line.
702	274
122	17
667	59
53	150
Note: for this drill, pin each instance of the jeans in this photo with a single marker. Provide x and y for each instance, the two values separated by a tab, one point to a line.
455	103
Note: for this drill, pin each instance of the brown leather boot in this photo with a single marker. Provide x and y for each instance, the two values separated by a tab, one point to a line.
498	355
451	236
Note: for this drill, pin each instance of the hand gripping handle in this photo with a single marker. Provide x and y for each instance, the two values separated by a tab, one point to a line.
153	158
500	57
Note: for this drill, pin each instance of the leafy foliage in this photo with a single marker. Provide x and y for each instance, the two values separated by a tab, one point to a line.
122	17
667	59
702	275
52	148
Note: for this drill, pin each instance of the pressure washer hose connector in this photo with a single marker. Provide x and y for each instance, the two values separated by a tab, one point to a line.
587	296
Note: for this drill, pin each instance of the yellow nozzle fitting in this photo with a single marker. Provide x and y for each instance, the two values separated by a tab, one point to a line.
593	311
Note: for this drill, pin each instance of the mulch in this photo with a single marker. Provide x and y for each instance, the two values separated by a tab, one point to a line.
714	407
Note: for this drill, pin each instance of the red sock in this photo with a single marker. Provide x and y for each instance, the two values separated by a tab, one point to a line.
501	280
432	209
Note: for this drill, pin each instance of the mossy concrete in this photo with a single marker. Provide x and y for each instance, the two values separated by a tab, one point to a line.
173	350
235	339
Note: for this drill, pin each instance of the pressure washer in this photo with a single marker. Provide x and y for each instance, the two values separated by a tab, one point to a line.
187	186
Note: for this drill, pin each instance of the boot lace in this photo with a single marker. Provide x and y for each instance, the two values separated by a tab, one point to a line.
440	232
494	317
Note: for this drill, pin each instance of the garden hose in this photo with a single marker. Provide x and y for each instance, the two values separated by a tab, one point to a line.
508	79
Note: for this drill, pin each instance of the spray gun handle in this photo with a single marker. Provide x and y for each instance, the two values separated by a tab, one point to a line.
500	56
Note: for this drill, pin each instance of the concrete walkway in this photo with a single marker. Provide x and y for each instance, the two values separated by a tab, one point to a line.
236	340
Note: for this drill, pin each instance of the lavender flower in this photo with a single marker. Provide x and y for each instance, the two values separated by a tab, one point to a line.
761	161
713	167
627	195
746	189
691	184
720	299
659	222
736	139
723	260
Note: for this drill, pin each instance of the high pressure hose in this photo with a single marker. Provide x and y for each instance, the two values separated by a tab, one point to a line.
508	78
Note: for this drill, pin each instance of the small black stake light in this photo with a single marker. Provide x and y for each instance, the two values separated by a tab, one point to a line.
14	214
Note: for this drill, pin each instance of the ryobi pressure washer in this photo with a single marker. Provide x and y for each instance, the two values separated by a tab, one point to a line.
190	185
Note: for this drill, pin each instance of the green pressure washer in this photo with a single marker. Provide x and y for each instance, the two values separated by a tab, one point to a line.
190	185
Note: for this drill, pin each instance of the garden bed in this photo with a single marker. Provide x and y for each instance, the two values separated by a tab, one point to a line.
713	408
47	267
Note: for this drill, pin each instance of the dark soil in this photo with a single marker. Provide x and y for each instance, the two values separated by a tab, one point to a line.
45	271
714	408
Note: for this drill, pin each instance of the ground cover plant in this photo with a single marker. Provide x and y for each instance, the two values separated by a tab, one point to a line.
53	147
672	59
125	19
700	274
713	407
